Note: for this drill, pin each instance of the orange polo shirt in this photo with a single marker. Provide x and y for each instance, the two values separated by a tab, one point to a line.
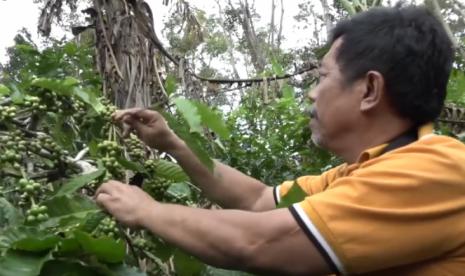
398	213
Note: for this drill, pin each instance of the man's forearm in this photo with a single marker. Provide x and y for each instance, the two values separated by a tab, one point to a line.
215	236
225	185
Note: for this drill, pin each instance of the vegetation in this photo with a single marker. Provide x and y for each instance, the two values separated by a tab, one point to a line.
58	143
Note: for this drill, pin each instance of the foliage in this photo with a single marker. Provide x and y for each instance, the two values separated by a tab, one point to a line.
58	145
272	142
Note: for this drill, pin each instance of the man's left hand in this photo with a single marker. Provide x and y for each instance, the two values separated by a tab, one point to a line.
128	204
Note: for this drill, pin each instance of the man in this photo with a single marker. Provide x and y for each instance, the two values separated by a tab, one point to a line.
396	207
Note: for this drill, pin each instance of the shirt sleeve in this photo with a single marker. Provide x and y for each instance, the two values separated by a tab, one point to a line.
310	184
384	217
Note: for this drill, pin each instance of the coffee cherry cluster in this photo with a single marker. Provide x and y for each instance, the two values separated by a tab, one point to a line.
29	187
107	227
141	244
110	150
47	143
13	145
150	166
34	103
135	148
37	213
7	113
54	102
109	108
157	187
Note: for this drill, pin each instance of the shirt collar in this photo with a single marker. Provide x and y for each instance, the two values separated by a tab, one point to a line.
376	151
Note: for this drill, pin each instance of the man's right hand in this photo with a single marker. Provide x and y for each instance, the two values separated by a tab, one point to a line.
150	127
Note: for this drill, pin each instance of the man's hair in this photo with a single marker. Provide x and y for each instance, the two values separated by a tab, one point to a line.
409	47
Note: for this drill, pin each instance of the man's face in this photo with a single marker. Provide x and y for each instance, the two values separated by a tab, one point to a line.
335	104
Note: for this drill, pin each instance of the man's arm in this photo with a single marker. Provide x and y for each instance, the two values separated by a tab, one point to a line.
225	185
269	242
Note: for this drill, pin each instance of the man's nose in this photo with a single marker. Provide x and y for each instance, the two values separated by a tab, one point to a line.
312	95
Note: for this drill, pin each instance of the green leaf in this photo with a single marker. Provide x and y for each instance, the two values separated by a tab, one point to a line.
78	182
12	235
186	265
17	96
213	120
4	90
295	194
37	243
68	246
288	92
92	221
170	171
17	263
105	249
63	87
133	166
170	84
277	68
193	140
9	215
90	97
68	209
190	113
348	7
179	190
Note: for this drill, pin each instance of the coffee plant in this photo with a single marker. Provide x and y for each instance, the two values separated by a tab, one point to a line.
57	145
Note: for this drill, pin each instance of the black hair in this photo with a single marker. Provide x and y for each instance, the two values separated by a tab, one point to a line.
409	47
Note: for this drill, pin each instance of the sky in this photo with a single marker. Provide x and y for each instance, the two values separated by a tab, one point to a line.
18	14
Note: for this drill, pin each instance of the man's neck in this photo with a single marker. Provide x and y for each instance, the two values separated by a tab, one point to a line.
369	136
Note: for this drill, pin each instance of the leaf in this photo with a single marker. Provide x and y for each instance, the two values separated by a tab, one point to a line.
17	263
4	90
105	249
179	190
14	234
213	120
9	215
288	92
348	7
92	221
80	181
295	194
170	84
90	97
186	265
68	209
17	96
277	68
37	243
63	87
190	113
170	171
191	139
133	166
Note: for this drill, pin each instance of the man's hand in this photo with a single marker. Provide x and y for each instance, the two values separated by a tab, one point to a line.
128	204
150	127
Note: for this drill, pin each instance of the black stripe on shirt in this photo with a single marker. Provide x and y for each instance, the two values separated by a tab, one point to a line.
275	191
314	240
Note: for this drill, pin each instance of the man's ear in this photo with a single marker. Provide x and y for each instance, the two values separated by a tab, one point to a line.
373	90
